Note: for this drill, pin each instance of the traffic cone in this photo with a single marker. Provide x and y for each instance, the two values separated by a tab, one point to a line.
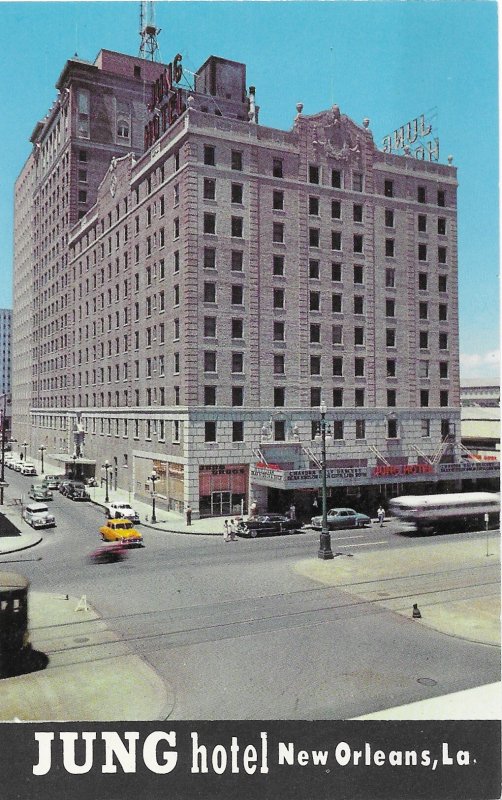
416	611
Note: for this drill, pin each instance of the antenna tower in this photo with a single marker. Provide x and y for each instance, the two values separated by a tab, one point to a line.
149	47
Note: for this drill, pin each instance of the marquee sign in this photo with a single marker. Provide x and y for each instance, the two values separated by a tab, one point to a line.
167	101
412	137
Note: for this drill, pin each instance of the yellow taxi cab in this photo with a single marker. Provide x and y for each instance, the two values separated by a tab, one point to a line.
121	530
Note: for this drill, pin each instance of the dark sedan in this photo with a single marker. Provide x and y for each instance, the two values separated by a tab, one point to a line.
342	518
267	524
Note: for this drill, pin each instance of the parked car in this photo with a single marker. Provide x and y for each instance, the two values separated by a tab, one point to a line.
64	485
39	492
121	510
51	482
37	515
267	523
77	491
17	466
342	518
28	469
121	530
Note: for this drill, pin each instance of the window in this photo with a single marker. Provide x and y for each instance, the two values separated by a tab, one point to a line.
443	312
357	181
314	206
336	209
443	369
278	200
279	396
209	292
358	335
391	398
314	236
315	365
209	155
209	395
237	329
315	396
82	196
315	333
359	367
358	305
442	255
442	283
237	193
278	265
360	429
388	188
83	103
209	223
389	247
358	243
389	218
336	240
390	337
238	362
423	310
392	429
209	189
424	397
443	341
313	268
237	294
336	334
236	160
357	212
210	361
424	340
237	227
237	431
337	398
359	397
210	431
237	260
278	232
443	397
442	226
337	426
391	367
278	331
422	223
82	175
422	252
421	194
314	173
422	281
337	366
210	327
278	298
358	273
209	258
277	168
336	179
336	271
441	198
237	396
390	277
314	301
425	428
279	364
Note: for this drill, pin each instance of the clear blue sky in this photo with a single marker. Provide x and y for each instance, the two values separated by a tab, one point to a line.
389	61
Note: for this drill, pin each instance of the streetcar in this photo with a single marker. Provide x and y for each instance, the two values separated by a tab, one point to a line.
436	512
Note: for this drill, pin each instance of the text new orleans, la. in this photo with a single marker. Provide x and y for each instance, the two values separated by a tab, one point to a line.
111	752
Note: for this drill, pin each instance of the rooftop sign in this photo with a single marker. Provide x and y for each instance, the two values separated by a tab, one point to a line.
412	138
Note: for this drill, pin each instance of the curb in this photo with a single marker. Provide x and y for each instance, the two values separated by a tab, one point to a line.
20	549
157	527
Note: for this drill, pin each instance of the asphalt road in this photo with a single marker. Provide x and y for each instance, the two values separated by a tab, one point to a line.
238	633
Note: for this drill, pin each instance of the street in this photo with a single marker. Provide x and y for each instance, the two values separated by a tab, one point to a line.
254	629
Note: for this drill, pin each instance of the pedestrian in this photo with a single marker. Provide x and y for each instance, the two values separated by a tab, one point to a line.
254	508
226	531
381	514
292	512
233	537
189	515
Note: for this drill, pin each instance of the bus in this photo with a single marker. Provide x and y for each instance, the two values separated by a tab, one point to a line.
434	512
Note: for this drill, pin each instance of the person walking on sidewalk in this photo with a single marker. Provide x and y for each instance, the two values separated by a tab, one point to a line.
226	531
188	514
381	515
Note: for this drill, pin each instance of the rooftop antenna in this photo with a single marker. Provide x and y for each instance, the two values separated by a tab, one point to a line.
149	48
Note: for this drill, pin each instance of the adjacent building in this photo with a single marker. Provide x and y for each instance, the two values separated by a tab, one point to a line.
201	286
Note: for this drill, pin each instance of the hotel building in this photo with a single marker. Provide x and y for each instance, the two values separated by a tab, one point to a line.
200	284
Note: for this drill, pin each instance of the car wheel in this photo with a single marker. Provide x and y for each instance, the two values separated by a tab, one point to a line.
253	533
359	523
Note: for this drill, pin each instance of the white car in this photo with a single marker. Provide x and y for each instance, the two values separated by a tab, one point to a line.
28	469
121	510
37	515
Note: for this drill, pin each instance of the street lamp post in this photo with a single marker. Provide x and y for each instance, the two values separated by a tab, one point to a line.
106	467
25	445
2	463
325	551
153	478
42	450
